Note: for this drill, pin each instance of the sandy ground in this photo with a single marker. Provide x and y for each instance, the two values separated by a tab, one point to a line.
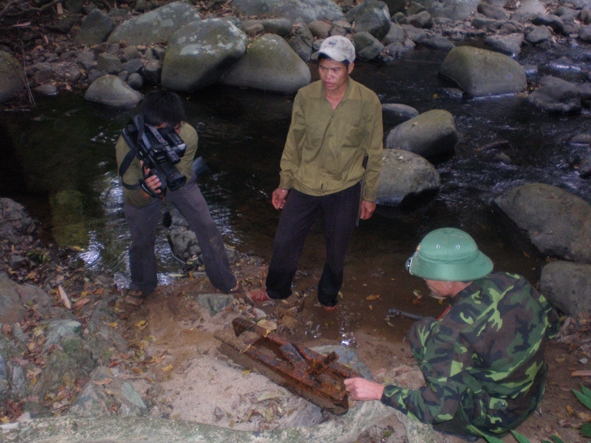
183	374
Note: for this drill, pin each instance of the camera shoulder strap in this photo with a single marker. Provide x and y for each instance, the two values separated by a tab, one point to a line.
127	136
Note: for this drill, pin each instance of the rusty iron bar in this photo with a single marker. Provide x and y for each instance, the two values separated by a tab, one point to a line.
309	374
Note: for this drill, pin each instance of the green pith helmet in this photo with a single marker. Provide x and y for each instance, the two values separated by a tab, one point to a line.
449	254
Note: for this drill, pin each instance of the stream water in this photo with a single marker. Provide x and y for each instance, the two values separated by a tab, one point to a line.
58	160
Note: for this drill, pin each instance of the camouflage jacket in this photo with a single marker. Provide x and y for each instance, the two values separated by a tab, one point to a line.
483	361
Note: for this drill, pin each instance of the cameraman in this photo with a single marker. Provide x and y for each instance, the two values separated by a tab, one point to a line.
142	211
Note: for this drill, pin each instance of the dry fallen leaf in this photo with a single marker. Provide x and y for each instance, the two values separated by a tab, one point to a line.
104	381
113	325
167	368
373	297
570	410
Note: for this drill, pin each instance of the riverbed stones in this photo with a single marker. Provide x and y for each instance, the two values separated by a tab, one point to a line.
491	11
304	11
95	28
539	34
371	16
367	46
557	222
399	110
507	44
404	177
200	53
102	393
11	306
302	42
556	95
111	91
279	26
481	73
429	134
454	9
567	286
270	64
12	77
155	26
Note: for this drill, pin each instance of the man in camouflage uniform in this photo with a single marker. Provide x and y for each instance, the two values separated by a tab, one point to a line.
483	358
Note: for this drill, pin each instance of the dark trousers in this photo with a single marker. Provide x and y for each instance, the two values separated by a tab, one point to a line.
339	214
143	223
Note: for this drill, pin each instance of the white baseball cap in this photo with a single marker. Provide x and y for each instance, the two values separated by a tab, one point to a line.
338	48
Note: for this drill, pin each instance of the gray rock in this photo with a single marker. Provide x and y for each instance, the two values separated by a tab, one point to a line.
438	42
200	53
12	77
480	72
133	66
123	75
556	95
566	14
11	309
135	81
304	11
395	35
421	20
34	296
482	22
399	110
405	175
585	16
94	75
302	42
16	261
61	371
416	35
580	4
557	222
95	28
396	49
60	328
567	286
159	52
371	16
507	44
214	303
429	134
279	26
155	26
581	140
528	10
130	53
109	63
86	59
367	46
414	8
395	6
454	9
493	12
271	65
539	34
109	90
101	392
320	28
15	221
585	33
585	167
551	20
183	244
152	72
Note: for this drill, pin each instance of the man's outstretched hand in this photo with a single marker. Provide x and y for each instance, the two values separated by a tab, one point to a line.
363	390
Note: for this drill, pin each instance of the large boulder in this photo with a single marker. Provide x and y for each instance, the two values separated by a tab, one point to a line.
371	16
480	72
453	9
155	26
556	95
200	53
111	91
271	65
405	175
428	134
95	28
567	286
305	11
12	77
15	221
557	223
367	46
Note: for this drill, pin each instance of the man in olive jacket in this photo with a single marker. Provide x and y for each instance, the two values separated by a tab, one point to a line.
142	210
336	124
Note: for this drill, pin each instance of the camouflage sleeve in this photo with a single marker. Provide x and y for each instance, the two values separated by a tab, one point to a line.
442	357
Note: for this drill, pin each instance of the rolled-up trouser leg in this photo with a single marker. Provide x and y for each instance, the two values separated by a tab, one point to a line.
190	203
143	223
339	212
295	222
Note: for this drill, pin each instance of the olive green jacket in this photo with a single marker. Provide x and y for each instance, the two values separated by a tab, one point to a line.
137	197
324	150
483	361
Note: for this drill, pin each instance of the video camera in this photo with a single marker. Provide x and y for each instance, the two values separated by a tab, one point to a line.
159	150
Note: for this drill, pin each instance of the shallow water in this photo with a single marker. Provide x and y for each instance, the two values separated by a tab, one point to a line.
59	162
